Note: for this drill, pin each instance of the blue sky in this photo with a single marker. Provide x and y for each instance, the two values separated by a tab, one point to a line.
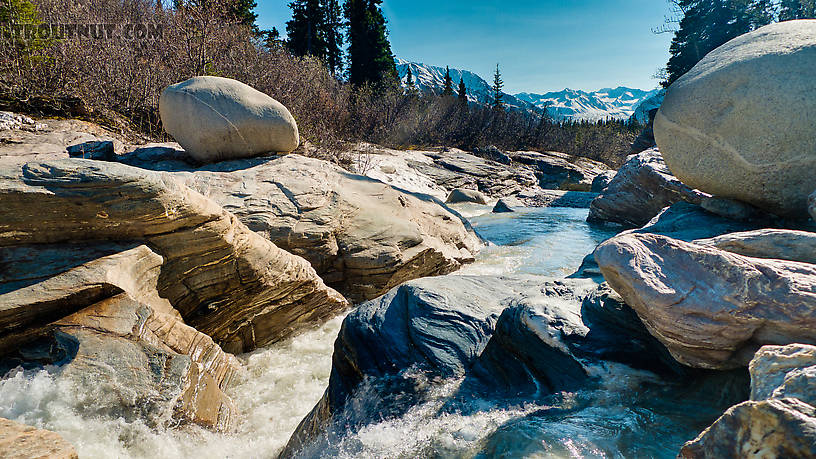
541	45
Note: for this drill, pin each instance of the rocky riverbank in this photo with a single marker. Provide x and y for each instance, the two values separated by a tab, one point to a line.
133	273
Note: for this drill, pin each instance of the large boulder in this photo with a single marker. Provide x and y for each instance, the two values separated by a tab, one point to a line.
404	343
777	244
362	236
711	309
216	118
740	123
19	441
456	169
460	195
639	191
226	280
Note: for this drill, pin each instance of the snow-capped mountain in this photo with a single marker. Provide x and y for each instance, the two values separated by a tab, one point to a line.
432	78
618	103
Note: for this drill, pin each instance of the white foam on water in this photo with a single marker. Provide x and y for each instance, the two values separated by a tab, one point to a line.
278	387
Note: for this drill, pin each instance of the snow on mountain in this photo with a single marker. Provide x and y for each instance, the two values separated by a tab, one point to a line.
618	103
432	78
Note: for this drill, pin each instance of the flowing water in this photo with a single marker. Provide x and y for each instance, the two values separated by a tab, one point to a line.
632	414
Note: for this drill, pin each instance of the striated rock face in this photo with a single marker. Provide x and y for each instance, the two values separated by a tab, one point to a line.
640	190
780	419
457	169
740	123
559	171
224	279
768	243
769	428
216	118
19	441
710	308
784	371
464	195
363	237
125	350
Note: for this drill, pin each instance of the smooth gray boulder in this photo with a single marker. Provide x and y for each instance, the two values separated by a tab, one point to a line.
777	244
639	191
775	428
740	123
506	205
712	309
463	195
216	118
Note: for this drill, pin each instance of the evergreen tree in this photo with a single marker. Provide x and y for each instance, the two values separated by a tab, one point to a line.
498	102
270	38
244	12
411	88
369	52
708	24
797	9
462	93
333	36
305	29
447	90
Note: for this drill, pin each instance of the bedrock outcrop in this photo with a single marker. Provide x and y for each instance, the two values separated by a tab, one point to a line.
100	326
639	191
226	280
711	308
740	123
363	237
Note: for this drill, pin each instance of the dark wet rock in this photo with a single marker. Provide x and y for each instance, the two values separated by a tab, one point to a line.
506	205
639	191
492	153
602	181
102	150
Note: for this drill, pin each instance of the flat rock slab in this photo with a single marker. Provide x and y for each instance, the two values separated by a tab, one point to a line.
778	244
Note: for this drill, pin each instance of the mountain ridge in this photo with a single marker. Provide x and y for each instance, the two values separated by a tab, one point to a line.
620	102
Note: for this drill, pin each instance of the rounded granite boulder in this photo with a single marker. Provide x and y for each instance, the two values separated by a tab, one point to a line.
216	119
740	124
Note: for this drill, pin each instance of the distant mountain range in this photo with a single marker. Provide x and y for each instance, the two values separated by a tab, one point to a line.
617	103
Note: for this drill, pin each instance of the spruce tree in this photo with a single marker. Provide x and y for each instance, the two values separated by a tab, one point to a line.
305	29
708	24
369	52
797	9
462	93
333	36
447	90
497	102
244	12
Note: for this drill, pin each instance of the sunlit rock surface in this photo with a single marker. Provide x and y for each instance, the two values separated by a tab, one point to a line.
710	308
